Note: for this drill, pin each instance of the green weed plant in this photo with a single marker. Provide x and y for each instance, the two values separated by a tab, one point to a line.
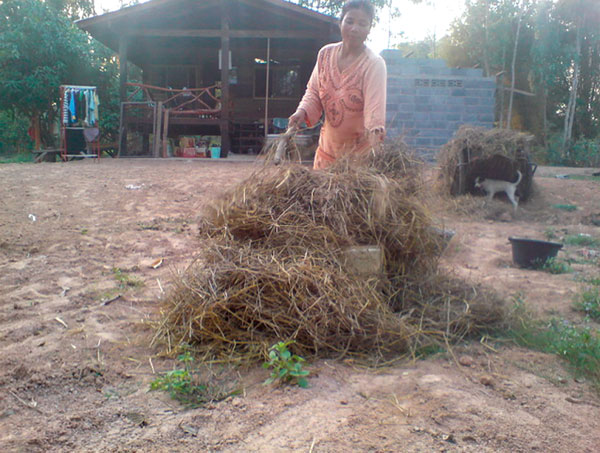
588	301
286	368
550	234
565	207
125	280
579	346
555	266
184	385
582	240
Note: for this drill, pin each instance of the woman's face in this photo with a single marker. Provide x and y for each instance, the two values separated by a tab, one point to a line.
355	27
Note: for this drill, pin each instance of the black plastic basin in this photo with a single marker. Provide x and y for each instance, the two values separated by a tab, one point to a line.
532	252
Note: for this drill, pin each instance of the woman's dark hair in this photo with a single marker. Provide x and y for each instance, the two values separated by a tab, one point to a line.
365	5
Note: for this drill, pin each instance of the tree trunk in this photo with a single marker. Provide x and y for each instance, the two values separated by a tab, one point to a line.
570	113
502	90
486	62
545	113
512	69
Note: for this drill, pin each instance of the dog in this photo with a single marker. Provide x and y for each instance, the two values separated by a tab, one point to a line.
493	186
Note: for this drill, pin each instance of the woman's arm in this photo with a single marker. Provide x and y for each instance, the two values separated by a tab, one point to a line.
310	108
375	85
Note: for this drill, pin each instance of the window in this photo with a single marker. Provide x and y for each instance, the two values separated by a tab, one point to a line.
284	80
173	76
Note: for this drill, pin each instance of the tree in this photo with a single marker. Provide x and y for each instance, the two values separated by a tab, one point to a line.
514	60
39	50
581	18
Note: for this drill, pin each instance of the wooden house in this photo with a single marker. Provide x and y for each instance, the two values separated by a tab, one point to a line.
207	66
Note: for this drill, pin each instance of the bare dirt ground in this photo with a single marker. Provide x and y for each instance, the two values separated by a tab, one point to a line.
75	371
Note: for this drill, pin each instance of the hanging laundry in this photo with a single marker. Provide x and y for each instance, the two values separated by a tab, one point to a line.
73	113
65	109
80	106
92	106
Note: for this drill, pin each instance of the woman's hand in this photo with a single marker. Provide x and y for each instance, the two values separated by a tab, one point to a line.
376	136
296	120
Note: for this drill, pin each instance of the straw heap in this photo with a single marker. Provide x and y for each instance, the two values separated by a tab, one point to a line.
274	269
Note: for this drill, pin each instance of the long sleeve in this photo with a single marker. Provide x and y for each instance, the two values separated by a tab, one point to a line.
311	101
375	95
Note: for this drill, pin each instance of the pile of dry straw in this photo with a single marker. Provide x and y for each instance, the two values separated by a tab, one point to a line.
489	153
274	269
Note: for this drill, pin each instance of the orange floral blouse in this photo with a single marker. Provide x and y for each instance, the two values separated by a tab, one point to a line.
353	101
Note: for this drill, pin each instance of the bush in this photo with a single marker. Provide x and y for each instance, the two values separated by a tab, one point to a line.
13	134
580	153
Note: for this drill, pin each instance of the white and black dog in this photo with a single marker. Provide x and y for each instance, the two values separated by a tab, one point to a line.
493	186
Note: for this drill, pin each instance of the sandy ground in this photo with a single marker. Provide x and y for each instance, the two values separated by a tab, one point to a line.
75	371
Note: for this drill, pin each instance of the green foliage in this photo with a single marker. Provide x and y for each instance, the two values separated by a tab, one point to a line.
588	301
13	134
20	158
582	240
579	346
286	367
565	207
579	153
593	281
126	280
41	49
550	234
184	385
555	266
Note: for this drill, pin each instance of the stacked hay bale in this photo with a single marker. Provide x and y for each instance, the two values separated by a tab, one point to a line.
488	153
275	268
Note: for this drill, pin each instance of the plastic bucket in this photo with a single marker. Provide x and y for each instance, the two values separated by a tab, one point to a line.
215	152
532	252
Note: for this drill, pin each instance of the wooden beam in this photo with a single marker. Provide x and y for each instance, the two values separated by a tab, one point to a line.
526	93
212	33
225	22
290	10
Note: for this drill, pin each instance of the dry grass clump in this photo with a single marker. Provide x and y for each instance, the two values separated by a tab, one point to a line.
242	299
275	268
489	153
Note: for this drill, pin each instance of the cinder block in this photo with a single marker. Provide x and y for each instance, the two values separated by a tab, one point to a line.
363	260
440	141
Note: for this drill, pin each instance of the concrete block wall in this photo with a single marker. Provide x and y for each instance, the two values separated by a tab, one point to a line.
427	101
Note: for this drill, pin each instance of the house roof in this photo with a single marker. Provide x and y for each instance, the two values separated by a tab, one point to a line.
180	21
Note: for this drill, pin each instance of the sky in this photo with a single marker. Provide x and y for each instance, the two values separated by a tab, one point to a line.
416	21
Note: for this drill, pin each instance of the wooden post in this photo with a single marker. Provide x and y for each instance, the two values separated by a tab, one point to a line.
267	87
123	92
37	133
157	135
225	139
165	133
463	160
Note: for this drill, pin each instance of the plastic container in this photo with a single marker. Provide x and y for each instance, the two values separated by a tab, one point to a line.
532	253
215	152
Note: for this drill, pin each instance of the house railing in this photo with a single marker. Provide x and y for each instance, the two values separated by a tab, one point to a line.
204	102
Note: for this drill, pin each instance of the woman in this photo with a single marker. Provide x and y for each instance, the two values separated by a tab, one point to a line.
349	84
